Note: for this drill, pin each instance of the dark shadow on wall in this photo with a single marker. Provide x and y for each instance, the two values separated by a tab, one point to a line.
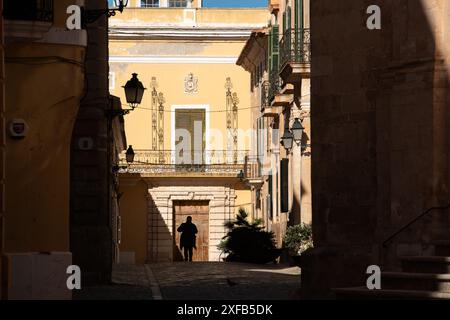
142	233
379	119
161	242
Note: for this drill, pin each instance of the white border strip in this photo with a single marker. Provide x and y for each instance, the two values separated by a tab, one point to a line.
173	59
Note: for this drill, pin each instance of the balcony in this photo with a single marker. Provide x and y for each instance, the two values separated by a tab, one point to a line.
295	55
253	171
267	110
27	19
276	96
169	163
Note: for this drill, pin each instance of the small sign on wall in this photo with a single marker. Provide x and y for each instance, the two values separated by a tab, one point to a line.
18	129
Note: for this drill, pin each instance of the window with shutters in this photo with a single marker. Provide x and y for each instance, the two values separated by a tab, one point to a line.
190	136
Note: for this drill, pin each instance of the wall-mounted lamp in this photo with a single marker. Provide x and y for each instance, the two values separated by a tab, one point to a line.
241	175
129	157
90	16
134	92
287	139
297	130
295	134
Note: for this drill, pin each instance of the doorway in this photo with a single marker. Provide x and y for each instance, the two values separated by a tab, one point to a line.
199	211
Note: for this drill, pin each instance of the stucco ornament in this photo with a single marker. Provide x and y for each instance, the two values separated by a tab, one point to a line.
191	84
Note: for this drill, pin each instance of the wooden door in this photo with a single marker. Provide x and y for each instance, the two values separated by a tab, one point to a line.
199	211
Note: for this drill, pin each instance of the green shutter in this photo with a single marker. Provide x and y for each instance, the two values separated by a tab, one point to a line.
269	51
275	47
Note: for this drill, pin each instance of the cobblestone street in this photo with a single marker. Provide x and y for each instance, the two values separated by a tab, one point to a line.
205	281
227	281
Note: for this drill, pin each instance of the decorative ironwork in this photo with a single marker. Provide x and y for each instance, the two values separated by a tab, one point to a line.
253	168
265	86
275	84
295	46
161	102
235	126
232	101
154	114
171	162
31	10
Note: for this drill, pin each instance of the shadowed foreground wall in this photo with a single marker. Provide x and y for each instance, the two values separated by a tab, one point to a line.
381	145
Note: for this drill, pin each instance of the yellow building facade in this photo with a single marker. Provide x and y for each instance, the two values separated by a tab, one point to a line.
44	82
37	164
192	132
278	59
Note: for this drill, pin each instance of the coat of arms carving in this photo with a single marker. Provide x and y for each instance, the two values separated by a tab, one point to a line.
191	84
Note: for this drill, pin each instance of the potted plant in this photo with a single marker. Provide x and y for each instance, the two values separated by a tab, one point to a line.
297	240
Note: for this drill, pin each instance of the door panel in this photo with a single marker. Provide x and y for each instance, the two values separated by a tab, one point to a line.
199	211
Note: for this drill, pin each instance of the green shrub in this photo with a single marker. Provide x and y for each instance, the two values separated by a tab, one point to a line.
248	242
298	239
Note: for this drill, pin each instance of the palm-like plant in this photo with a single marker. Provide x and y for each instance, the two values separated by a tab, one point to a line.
247	241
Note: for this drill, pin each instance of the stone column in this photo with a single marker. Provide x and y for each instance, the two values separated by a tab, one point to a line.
90	217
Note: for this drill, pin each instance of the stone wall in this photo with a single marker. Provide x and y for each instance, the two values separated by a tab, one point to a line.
91	234
380	145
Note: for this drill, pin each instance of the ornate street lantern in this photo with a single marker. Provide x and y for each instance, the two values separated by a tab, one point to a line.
134	91
287	139
130	155
297	131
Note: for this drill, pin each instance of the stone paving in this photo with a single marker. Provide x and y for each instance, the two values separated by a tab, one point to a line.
198	281
227	281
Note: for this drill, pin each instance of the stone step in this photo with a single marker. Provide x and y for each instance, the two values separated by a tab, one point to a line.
362	293
426	264
415	281
442	247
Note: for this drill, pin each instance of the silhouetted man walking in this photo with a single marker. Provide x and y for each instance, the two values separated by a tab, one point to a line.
187	240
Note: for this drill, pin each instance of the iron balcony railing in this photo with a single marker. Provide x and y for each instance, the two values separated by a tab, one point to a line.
29	10
295	46
214	162
274	84
265	86
253	168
